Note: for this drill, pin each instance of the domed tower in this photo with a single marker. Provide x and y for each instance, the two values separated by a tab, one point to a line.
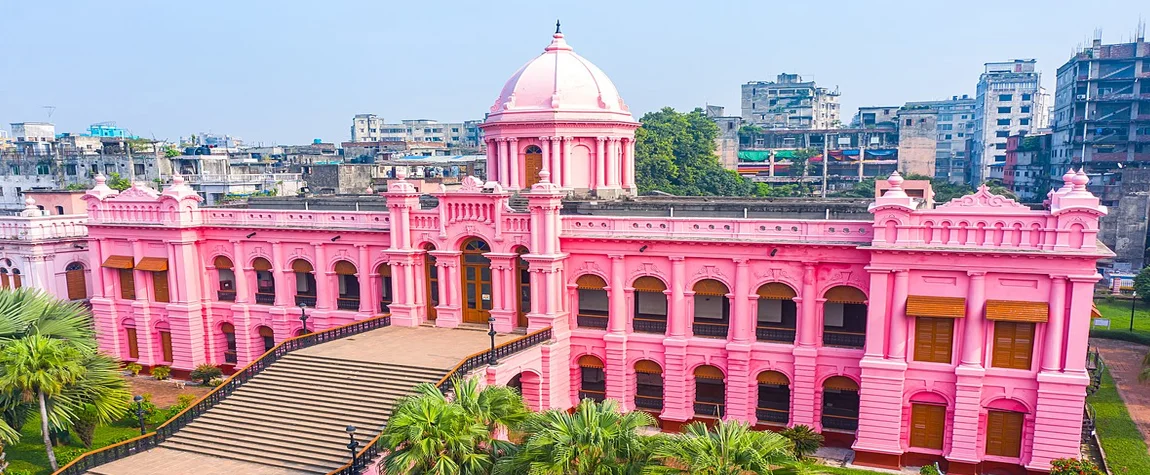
561	114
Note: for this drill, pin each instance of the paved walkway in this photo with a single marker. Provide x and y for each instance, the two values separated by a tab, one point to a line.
163	461
429	347
1124	360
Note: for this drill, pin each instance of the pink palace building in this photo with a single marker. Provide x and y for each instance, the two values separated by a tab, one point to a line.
955	333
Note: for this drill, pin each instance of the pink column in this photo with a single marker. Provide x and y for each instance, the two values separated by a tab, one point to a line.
557	159
741	334
877	305
613	162
566	162
898	318
284	293
545	143
513	161
1052	347
629	165
239	268
973	339
968	387
1081	301
600	162
325	291
492	161
615	341
676	315
808	327
367	300
804	394
740	313
618	309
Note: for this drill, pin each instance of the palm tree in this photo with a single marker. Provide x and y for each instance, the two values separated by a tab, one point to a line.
730	448
40	367
25	312
428	434
594	440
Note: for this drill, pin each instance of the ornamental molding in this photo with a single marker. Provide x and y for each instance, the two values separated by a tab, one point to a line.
983	198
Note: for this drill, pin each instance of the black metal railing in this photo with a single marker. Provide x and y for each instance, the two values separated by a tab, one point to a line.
650	325
226	295
308	300
710	330
347	303
591	321
764	414
264	298
597	396
783	335
139	444
840	422
709	409
649	402
384	307
1094	367
844	339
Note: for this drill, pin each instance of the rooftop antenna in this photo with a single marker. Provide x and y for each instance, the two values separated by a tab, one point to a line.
50	110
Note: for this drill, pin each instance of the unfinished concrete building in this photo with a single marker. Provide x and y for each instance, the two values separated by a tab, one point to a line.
917	141
789	102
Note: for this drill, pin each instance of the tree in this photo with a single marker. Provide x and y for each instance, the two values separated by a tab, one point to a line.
748	133
730	448
171	153
675	153
118	183
206	373
40	367
596	439
1142	284
804	440
496	407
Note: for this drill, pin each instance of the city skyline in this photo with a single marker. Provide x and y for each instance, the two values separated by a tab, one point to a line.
261	73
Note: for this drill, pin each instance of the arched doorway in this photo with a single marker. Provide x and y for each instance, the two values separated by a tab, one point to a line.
523	286
226	278
431	281
840	404
532	165
348	286
131	338
648	385
77	281
593	309
165	333
650	305
777	313
712	309
774	401
476	281
710	392
305	286
385	298
267	337
229	332
265	281
592	379
844	317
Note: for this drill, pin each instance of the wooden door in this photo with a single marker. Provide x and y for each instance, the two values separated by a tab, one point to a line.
77	283
523	288
533	164
133	346
476	282
166	345
1004	433
432	286
927	426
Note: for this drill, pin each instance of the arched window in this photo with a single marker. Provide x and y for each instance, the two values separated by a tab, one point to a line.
650	305
523	284
165	332
648	385
840	404
268	337
431	277
229	332
131	338
348	286
712	309
532	165
77	281
305	286
777	313
774	403
593	302
710	392
592	379
16	284
227	279
265	281
476	281
844	317
385	298
5	279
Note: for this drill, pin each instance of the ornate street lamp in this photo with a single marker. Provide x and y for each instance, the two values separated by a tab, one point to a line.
491	333
303	317
140	412
352	444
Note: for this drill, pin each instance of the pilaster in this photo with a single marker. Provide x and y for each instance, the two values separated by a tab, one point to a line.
449	312
615	367
677	404
740	404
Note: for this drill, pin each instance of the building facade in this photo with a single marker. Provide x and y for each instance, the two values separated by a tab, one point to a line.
955	123
46	252
917	141
372	128
1025	172
1010	99
917	335
790	103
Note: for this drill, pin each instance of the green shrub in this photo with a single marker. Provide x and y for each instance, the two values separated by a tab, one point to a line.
805	440
206	373
67	455
1074	467
150	409
135	368
20	471
161	372
215	382
931	469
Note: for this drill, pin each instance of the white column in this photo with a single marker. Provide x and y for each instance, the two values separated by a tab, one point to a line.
492	161
629	164
600	162
566	161
545	143
557	160
513	162
613	163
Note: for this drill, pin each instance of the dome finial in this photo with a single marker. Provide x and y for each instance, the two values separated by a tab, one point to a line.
557	32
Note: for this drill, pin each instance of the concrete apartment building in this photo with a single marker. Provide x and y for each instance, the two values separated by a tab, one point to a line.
1009	100
1025	171
373	128
955	121
917	141
874	116
790	103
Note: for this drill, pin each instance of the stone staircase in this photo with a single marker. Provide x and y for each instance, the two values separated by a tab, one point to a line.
293	415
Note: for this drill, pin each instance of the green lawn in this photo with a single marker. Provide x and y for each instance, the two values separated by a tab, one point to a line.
1118	311
817	469
1125	449
28	455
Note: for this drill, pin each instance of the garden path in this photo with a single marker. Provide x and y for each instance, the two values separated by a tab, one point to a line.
1124	359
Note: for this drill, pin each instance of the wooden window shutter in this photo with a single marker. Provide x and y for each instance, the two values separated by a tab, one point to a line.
77	284
127	284
4	282
160	286
845	294
261	264
590	282
590	361
1013	345
344	268
708	372
166	344
710	287
776	291
648	367
16	284
153	264
301	266
1004	433
774	378
649	284
927	426
933	339
133	347
222	262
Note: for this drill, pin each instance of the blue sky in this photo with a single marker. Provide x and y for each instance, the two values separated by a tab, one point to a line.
290	71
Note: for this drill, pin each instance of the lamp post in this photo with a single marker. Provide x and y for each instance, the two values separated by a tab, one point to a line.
303	317
140	412
352	444
1133	300
491	333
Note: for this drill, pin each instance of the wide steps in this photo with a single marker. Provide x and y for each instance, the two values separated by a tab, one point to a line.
302	419
292	399
304	466
253	431
231	442
311	383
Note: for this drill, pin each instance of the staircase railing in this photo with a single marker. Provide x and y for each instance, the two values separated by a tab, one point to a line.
139	444
370	451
